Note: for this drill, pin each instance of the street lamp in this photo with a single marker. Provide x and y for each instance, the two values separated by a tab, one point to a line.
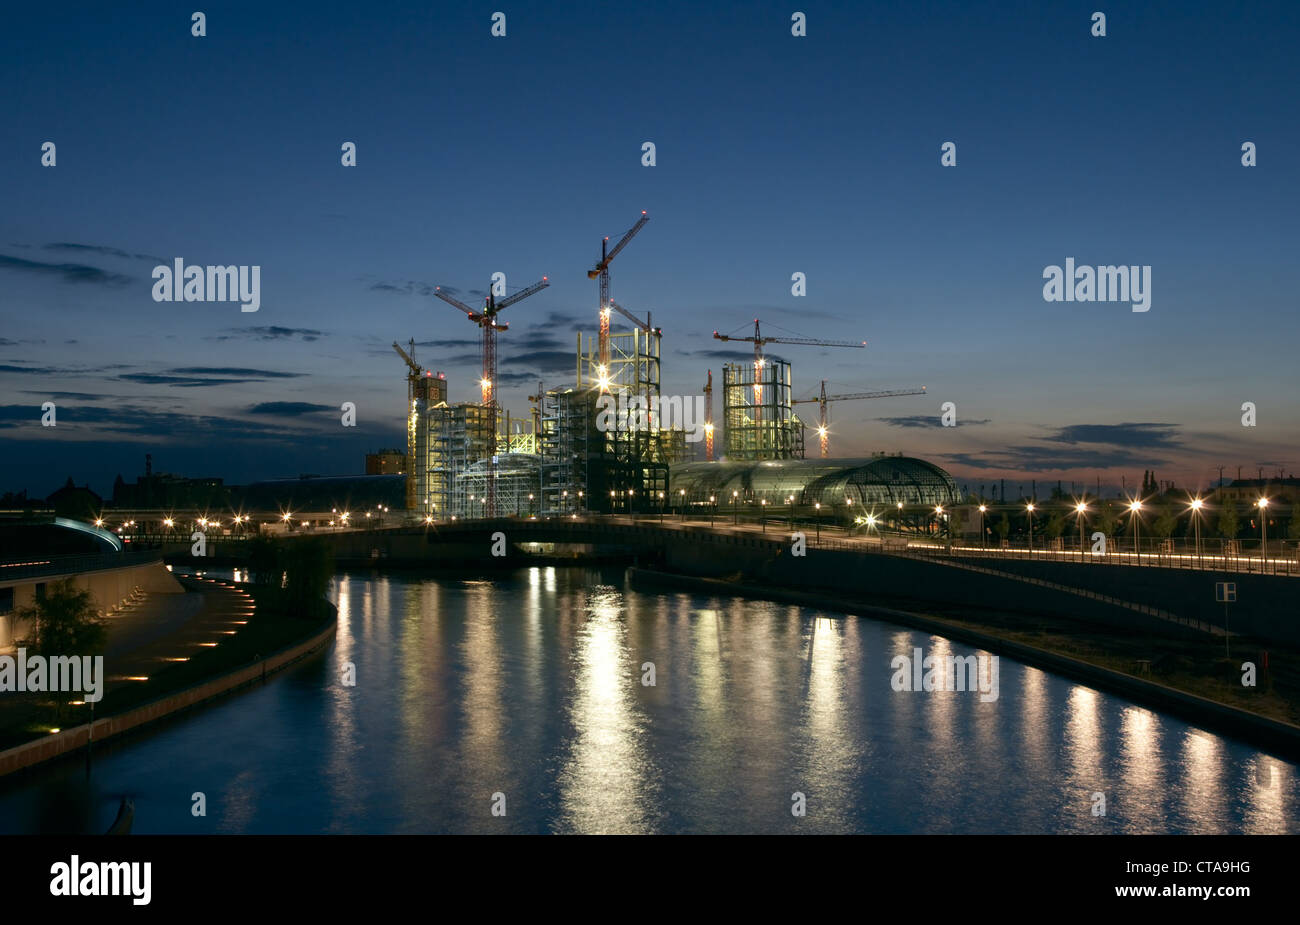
1135	507
735	517
983	509
764	514
1030	508
681	494
818	506
713	508
1081	509
1262	503
1196	505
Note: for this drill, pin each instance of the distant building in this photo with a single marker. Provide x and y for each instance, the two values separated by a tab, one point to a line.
78	503
1245	492
386	462
160	490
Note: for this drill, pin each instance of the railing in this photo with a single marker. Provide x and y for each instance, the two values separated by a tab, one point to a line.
38	566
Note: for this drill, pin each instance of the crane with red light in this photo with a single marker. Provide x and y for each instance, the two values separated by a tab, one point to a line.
601	271
487	321
824	401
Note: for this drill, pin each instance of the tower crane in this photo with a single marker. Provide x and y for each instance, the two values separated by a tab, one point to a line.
601	270
487	321
537	415
708	418
824	401
412	418
759	340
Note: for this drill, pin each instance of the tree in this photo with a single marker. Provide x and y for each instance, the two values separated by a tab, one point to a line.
1293	531
1228	523
66	621
308	568
265	561
1106	519
1166	520
1055	525
1002	527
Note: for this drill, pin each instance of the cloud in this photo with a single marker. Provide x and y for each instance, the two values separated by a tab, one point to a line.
1032	458
1134	435
268	333
928	420
233	371
68	272
572	322
410	287
184	382
73	396
550	360
288	408
470	342
106	251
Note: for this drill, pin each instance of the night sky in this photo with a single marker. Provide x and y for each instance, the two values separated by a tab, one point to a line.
775	154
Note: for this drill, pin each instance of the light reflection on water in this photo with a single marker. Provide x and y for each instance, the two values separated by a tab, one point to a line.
529	685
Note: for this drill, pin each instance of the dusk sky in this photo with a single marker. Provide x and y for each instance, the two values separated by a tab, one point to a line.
775	154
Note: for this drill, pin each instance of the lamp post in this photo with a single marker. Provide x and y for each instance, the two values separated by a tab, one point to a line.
818	506
1262	503
763	514
735	516
1030	508
938	521
1081	509
1136	508
681	502
713	509
790	500
1196	505
983	509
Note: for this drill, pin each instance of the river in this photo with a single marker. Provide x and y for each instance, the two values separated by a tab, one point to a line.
519	703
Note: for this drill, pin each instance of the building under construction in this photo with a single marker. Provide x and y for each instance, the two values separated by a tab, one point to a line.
757	412
602	443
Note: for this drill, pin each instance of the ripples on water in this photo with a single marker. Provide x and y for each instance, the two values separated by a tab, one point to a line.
527	688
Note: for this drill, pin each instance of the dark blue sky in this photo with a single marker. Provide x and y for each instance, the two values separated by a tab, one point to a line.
775	154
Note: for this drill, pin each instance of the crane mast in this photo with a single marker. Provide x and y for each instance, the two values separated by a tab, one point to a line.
487	322
601	271
824	400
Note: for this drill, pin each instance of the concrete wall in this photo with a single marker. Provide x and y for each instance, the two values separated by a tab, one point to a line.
109	587
1267	606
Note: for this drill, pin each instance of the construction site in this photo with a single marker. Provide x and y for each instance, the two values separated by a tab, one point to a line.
567	456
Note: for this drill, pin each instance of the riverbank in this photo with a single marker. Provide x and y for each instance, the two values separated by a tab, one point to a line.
1086	654
267	641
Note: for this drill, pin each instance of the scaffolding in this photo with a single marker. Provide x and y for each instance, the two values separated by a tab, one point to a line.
458	437
759	422
517	487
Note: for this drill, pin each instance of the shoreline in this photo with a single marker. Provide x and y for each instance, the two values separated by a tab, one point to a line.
62	744
1276	736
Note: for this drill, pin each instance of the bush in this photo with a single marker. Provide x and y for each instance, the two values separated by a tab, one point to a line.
67	621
